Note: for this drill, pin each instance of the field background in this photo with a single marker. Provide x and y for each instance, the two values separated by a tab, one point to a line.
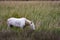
45	15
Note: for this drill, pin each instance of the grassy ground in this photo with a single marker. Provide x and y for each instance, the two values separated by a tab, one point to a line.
45	15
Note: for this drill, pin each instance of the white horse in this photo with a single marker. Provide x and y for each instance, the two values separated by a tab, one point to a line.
20	22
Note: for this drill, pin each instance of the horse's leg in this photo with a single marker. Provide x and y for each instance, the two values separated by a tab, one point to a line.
8	28
24	27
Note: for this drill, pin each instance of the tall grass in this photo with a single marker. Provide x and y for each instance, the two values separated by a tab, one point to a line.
45	15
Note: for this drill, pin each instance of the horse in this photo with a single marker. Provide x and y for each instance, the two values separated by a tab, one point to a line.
20	22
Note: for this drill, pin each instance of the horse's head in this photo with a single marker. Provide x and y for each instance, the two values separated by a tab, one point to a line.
32	25
28	22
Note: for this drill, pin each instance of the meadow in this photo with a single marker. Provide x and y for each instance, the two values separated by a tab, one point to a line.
45	15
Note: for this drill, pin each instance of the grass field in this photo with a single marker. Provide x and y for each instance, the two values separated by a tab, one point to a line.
45	15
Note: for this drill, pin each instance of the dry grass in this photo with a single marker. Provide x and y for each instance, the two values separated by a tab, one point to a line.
45	15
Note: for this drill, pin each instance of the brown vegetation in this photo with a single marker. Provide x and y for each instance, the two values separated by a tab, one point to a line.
29	35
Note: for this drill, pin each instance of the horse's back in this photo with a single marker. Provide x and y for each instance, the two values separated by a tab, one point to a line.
11	19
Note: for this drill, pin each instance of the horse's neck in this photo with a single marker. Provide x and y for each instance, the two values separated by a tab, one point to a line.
27	23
